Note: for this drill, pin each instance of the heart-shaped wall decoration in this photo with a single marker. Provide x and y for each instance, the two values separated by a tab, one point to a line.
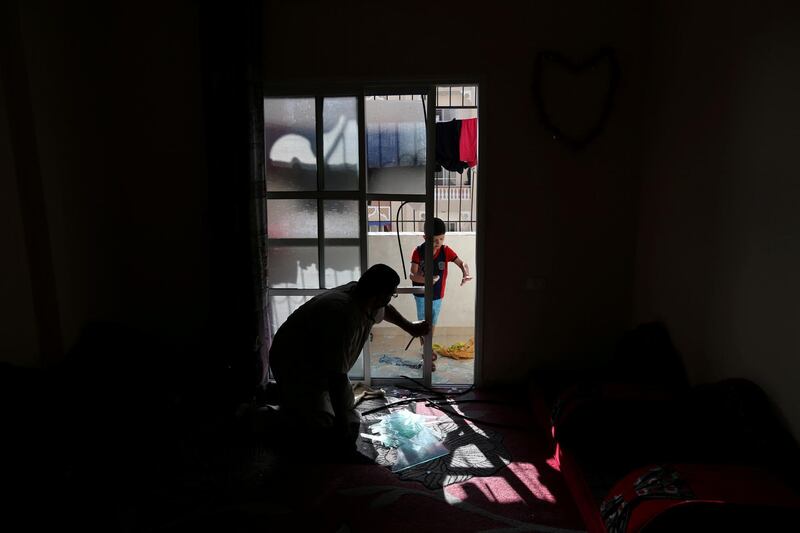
574	99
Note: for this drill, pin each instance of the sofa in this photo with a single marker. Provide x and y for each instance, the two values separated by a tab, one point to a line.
642	449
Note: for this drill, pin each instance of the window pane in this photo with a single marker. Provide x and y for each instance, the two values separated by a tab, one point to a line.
280	307
341	219
388	353
470	95
340	143
290	141
292	253
396	144
443	96
382	246
342	257
357	372
457	96
382	216
342	265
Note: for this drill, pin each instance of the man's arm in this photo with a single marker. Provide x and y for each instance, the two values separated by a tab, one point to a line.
347	420
464	270
415	329
341	393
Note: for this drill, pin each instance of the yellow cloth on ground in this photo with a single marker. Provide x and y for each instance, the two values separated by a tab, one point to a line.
459	350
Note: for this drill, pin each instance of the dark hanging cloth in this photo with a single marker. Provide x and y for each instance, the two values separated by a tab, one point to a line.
448	139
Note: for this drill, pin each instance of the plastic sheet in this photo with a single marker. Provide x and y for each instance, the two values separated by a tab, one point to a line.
412	435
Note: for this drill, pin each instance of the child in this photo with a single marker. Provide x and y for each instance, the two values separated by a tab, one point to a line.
441	256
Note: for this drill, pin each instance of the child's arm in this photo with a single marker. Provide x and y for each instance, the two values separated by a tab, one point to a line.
418	276
464	270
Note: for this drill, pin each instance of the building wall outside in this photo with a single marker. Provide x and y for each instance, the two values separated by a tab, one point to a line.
458	305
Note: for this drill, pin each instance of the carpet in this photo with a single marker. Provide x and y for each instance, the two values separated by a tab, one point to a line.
496	479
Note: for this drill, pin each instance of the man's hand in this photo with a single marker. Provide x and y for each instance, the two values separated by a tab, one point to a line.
415	329
466	279
419	329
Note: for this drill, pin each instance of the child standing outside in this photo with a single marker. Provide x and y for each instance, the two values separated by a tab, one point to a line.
442	255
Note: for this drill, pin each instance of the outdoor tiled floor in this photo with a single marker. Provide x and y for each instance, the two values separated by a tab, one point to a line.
391	342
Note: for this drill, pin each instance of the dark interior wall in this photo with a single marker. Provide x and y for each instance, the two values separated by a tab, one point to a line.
719	242
116	96
18	342
549	212
116	93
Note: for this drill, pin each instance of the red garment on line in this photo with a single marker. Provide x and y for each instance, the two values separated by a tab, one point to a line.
468	142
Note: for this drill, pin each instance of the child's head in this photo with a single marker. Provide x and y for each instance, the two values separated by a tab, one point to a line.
439	229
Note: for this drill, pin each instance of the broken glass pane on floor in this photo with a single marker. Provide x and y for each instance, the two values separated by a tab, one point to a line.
399	361
416	438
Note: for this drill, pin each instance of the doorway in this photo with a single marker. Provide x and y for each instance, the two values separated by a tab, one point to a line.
350	175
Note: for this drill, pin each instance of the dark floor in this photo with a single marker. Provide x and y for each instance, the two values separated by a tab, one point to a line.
90	454
117	441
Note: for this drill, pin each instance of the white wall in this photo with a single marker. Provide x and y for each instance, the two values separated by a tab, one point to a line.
719	241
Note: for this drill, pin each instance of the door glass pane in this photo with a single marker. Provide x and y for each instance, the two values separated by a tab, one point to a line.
396	145
388	354
470	96
280	307
340	143
341	219
454	335
456	96
292	253
357	372
291	140
382	243
443	96
342	257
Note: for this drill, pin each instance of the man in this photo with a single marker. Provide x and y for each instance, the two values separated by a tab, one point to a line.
315	348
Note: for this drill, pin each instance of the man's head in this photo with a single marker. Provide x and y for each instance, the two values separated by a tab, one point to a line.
377	285
439	229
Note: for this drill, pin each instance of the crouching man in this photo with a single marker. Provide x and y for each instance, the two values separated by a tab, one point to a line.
316	347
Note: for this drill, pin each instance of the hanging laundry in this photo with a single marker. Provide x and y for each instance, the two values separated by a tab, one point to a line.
395	144
448	139
457	144
468	142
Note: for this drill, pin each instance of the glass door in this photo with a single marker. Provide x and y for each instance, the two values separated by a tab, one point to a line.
337	165
403	194
399	180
